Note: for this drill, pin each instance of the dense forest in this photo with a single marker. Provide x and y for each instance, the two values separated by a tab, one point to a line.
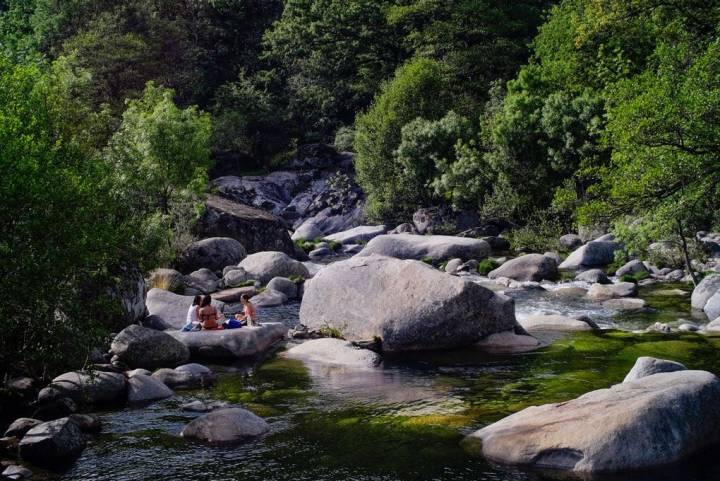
550	115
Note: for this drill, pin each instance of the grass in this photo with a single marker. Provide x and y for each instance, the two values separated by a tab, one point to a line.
428	260
331	331
167	282
487	265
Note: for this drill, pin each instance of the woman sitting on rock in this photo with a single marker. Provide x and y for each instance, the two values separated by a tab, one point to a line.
208	315
249	313
192	316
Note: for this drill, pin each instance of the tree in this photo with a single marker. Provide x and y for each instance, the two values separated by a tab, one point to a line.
160	155
417	90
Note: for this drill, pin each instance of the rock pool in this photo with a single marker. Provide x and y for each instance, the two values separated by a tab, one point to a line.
404	421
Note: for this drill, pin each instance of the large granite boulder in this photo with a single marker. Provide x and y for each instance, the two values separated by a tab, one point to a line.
169	311
52	443
632	267
307	231
356	235
232	343
225	426
554	322
140	347
257	230
233	295
144	389
655	420
647	366
707	288
407	304
166	279
437	247
263	266
284	285
593	276
597	253
336	352
530	267
213	253
85	387
202	280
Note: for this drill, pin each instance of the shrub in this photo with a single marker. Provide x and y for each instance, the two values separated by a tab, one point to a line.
297	279
331	331
428	260
344	139
487	265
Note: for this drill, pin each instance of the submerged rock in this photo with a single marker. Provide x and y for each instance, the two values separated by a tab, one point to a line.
626	304
140	347
407	304
52	443
436	247
204	407
334	351
530	267
647	366
142	389
652	421
232	343
187	376
225	425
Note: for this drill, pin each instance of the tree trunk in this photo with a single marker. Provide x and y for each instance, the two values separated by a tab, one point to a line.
686	254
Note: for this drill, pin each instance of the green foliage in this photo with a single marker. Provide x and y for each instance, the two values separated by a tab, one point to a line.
487	265
417	90
344	139
428	260
541	233
331	331
297	279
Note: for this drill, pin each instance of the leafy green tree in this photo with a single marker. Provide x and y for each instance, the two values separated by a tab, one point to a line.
418	89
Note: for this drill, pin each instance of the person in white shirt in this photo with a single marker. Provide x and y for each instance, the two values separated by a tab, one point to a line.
192	322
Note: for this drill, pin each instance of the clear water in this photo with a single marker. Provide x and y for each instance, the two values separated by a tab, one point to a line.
403	421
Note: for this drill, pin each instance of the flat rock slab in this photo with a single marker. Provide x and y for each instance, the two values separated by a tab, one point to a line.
625	304
655	420
234	294
168	310
334	351
603	292
363	233
437	247
232	343
225	426
553	322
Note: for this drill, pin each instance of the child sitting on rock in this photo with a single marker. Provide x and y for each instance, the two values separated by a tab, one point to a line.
249	314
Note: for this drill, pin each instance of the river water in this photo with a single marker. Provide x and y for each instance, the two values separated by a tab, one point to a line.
403	421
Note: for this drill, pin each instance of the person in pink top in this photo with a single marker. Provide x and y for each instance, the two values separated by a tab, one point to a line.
249	313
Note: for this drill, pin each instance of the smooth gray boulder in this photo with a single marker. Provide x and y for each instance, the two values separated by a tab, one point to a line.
712	306
437	247
269	298
307	231
263	266
187	376
225	426
20	426
203	280
334	351
570	241
406	303
631	268
213	253
653	421
143	389
593	254
85	387
453	265
625	304
140	347
52	443
284	285
530	267
356	235
713	326
603	292
169	311
232	343
553	322
705	289
320	252
16	472
647	366
233	295
235	277
593	276
508	342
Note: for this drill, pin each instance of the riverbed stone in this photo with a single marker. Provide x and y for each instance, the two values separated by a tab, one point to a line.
213	253
263	266
235	277
652	421
530	267
713	326
52	443
225	426
16	472
705	289
625	304
508	342
203	406
269	298
555	322
593	276
309	230
139	346
20	426
631	268
284	285
570	292
712	306
187	376
233	295
595	253
406	303
570	241
357	235
85	387
436	247
647	366
143	389
88	423
336	352
603	292
203	280
168	310
244	342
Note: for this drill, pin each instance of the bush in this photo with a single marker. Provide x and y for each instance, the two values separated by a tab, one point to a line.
344	139
428	260
487	265
540	234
